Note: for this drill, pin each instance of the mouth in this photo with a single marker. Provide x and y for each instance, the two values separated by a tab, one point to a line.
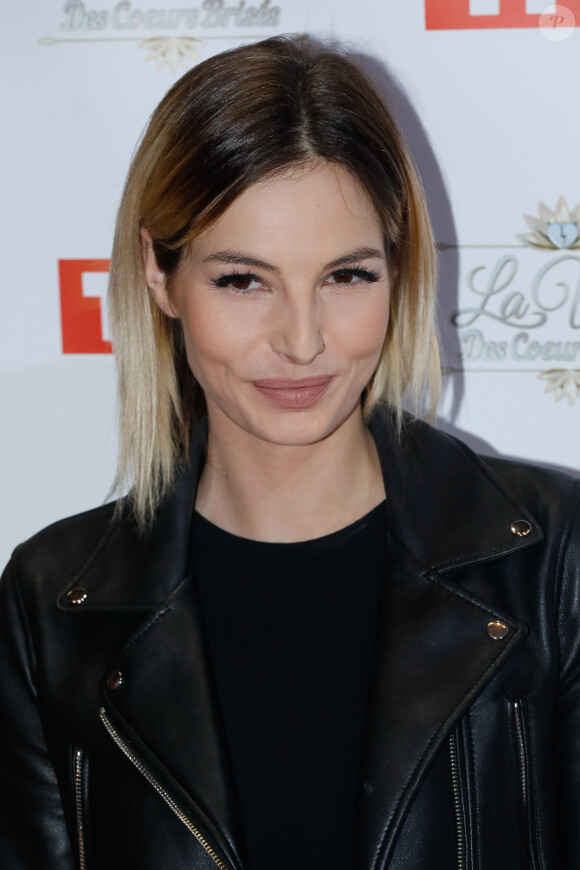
293	393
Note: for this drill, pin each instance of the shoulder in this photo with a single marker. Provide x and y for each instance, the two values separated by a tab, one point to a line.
450	505
542	489
550	496
106	554
69	538
56	555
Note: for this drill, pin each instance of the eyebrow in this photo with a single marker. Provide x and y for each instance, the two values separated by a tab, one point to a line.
355	256
239	258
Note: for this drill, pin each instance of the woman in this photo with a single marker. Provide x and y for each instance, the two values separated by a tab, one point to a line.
316	633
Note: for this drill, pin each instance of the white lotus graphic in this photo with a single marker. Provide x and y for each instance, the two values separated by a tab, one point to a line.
554	230
172	51
564	382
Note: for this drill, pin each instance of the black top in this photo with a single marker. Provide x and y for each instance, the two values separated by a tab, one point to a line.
290	630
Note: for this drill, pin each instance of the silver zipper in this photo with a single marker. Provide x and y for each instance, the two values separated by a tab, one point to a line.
78	787
128	752
518	719
459	822
524	778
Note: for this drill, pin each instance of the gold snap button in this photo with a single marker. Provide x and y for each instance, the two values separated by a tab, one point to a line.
77	596
497	630
521	528
114	680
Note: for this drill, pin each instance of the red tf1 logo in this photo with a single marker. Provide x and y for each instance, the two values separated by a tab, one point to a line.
487	14
82	306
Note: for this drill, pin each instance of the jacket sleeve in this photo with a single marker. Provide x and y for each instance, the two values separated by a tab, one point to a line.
33	833
567	729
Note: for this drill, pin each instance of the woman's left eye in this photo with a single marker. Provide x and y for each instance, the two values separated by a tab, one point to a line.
350	277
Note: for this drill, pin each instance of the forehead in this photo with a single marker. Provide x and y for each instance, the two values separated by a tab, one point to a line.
304	212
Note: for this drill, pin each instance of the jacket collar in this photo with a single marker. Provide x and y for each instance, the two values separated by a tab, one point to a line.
446	509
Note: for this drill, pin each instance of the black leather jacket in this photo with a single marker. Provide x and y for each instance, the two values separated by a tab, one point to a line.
112	750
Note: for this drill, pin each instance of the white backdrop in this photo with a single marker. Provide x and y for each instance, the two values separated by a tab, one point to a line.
486	94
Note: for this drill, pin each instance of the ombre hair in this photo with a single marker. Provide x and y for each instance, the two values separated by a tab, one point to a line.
238	118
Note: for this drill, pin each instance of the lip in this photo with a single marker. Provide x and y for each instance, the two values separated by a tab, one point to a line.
293	392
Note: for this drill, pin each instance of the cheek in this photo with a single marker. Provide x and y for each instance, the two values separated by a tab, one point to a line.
364	332
214	341
202	345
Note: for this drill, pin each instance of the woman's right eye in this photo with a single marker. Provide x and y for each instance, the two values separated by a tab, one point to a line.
246	283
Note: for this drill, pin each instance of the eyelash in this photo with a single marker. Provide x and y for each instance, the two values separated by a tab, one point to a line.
367	276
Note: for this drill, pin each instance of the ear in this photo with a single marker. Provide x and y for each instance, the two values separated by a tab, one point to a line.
155	278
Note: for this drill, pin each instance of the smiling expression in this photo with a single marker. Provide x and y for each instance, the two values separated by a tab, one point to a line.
284	303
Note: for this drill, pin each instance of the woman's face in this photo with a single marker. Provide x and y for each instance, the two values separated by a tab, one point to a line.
284	304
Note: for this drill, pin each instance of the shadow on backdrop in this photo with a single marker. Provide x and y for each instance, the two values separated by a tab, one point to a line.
440	213
445	234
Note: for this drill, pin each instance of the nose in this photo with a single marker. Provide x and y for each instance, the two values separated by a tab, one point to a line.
298	336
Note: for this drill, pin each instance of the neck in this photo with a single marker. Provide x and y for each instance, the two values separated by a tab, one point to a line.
281	493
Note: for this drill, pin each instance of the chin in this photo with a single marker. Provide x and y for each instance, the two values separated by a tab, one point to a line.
299	428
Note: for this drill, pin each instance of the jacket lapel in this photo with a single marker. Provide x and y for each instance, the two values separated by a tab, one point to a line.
433	654
167	708
433	657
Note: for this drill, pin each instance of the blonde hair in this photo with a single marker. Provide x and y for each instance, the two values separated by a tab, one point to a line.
235	119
